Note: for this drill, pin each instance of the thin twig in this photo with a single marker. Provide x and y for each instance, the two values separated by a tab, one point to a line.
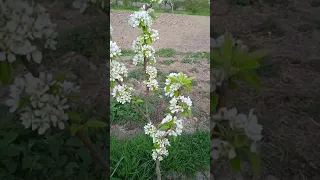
158	171
94	153
140	110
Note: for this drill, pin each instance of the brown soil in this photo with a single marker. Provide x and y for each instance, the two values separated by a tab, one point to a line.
289	103
183	33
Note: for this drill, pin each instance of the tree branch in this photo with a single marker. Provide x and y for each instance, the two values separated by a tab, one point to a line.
94	153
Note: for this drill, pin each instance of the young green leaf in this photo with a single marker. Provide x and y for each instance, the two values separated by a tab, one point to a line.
235	163
249	64
96	124
5	72
74	128
74	115
215	58
213	101
255	163
250	77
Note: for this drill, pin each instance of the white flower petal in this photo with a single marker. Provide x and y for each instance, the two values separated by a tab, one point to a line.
11	57
37	56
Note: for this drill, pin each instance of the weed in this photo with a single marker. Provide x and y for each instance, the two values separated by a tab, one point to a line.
166	52
167	62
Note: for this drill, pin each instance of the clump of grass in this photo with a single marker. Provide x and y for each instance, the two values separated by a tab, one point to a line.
166	52
194	82
131	158
136	74
122	113
190	60
127	52
167	62
204	55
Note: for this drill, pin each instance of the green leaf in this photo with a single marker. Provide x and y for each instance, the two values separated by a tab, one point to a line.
74	128
5	72
37	166
9	137
84	154
235	163
174	138
139	101
47	161
249	64
214	98
255	163
10	165
239	140
215	59
96	124
12	150
26	162
74	115
190	113
164	127
251	78
74	142
70	167
22	102
62	160
233	72
112	84
226	49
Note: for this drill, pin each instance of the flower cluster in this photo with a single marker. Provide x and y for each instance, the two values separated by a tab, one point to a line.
180	104
151	83
243	124
118	71
141	46
171	125
21	25
171	87
41	102
122	93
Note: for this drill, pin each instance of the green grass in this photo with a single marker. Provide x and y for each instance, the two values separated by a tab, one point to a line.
167	62
131	158
157	10
122	113
204	55
190	60
127	52
194	82
136	74
166	52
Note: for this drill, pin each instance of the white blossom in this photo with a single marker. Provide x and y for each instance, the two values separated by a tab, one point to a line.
115	51
122	93
24	24
140	18
39	106
117	71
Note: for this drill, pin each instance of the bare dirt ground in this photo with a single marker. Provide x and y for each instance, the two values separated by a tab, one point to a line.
288	105
184	33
